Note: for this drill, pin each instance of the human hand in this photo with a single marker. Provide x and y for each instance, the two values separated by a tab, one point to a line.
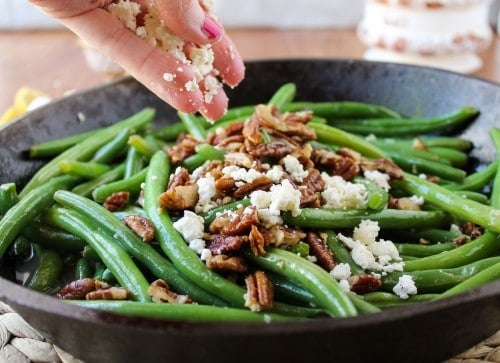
151	65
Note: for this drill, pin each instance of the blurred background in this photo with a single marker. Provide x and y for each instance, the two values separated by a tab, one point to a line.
39	54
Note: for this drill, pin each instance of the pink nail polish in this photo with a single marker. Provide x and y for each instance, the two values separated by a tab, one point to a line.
212	28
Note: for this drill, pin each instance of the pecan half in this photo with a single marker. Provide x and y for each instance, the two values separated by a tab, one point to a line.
364	283
78	289
345	166
111	293
260	292
225	185
140	226
308	198
320	250
260	183
116	201
313	181
179	198
235	223
221	244
282	235
180	177
472	230
275	149
383	165
185	147
160	292
257	241
227	264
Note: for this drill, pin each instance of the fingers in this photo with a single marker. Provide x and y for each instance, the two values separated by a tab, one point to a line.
228	61
189	20
162	73
216	104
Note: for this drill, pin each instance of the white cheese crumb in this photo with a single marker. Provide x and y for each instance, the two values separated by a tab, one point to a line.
267	219
344	285
284	197
405	287
169	77
294	168
341	271
197	245
366	232
190	226
191	86
312	259
261	199
417	200
205	254
81	117
381	179
275	173
341	194
206	191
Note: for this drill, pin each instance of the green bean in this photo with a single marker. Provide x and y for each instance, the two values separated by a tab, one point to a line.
457	158
142	252
82	269
344	109
131	185
419	250
489	274
128	211
477	180
318	281
183	312
99	269
109	151
24	211
475	196
84	169
408	151
429	141
439	280
283	96
210	152
327	218
300	248
447	200
8	197
192	125
53	238
363	306
169	132
482	247
133	163
386	300
416	165
113	256
495	188
377	198
331	135
223	124
87	187
212	213
433	235
341	253
89	253
20	248
85	150
318	120
108	277
410	126
54	147
287	290
240	112
142	146
49	270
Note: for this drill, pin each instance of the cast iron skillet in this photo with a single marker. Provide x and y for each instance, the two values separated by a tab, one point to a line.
428	332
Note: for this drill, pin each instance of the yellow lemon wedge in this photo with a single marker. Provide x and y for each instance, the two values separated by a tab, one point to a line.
24	96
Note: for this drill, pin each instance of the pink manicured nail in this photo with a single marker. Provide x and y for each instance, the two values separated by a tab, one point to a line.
211	28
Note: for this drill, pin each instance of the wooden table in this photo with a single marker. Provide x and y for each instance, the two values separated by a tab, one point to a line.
52	60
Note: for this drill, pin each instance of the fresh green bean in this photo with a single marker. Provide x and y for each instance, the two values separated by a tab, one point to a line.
87	187
209	152
52	238
283	96
408	151
457	158
363	306
184	312
484	246
475	196
131	185
495	188
327	218
386	300
55	147
489	274
24	211
447	200
331	135
212	213
477	180
142	146
109	151
377	198
142	252
84	169
169	132
343	109
287	290
318	281
419	250
99	269
439	280
341	253
410	126
429	141
20	248
192	125
86	149
240	112
49	270
113	256
83	269
433	235
8	197
133	163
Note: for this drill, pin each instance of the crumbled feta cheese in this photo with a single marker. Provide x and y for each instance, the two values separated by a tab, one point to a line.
382	248
405	287
363	257
206	191
455	228
191	86
261	199
344	285
417	200
205	254
366	232
241	174
341	271
381	179
190	226
312	259
197	245
284	197
275	173
267	219
126	11
294	168
169	77
341	194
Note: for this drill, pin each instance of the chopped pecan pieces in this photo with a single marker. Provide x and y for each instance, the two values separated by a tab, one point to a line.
239	158
225	185
235	223
140	226
345	166
282	235
257	241
180	177
383	165
313	181
320	250
185	147
472	230
111	293
227	264
179	198
364	283
261	183
116	201
275	149
78	289
160	292
260	292
221	244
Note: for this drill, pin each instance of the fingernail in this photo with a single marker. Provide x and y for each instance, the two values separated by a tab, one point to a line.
211	28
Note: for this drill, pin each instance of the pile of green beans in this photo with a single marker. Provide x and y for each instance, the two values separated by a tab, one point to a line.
56	228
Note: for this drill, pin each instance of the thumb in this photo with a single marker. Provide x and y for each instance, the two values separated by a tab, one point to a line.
189	20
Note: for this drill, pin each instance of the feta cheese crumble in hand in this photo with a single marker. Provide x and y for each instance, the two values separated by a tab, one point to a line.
176	48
